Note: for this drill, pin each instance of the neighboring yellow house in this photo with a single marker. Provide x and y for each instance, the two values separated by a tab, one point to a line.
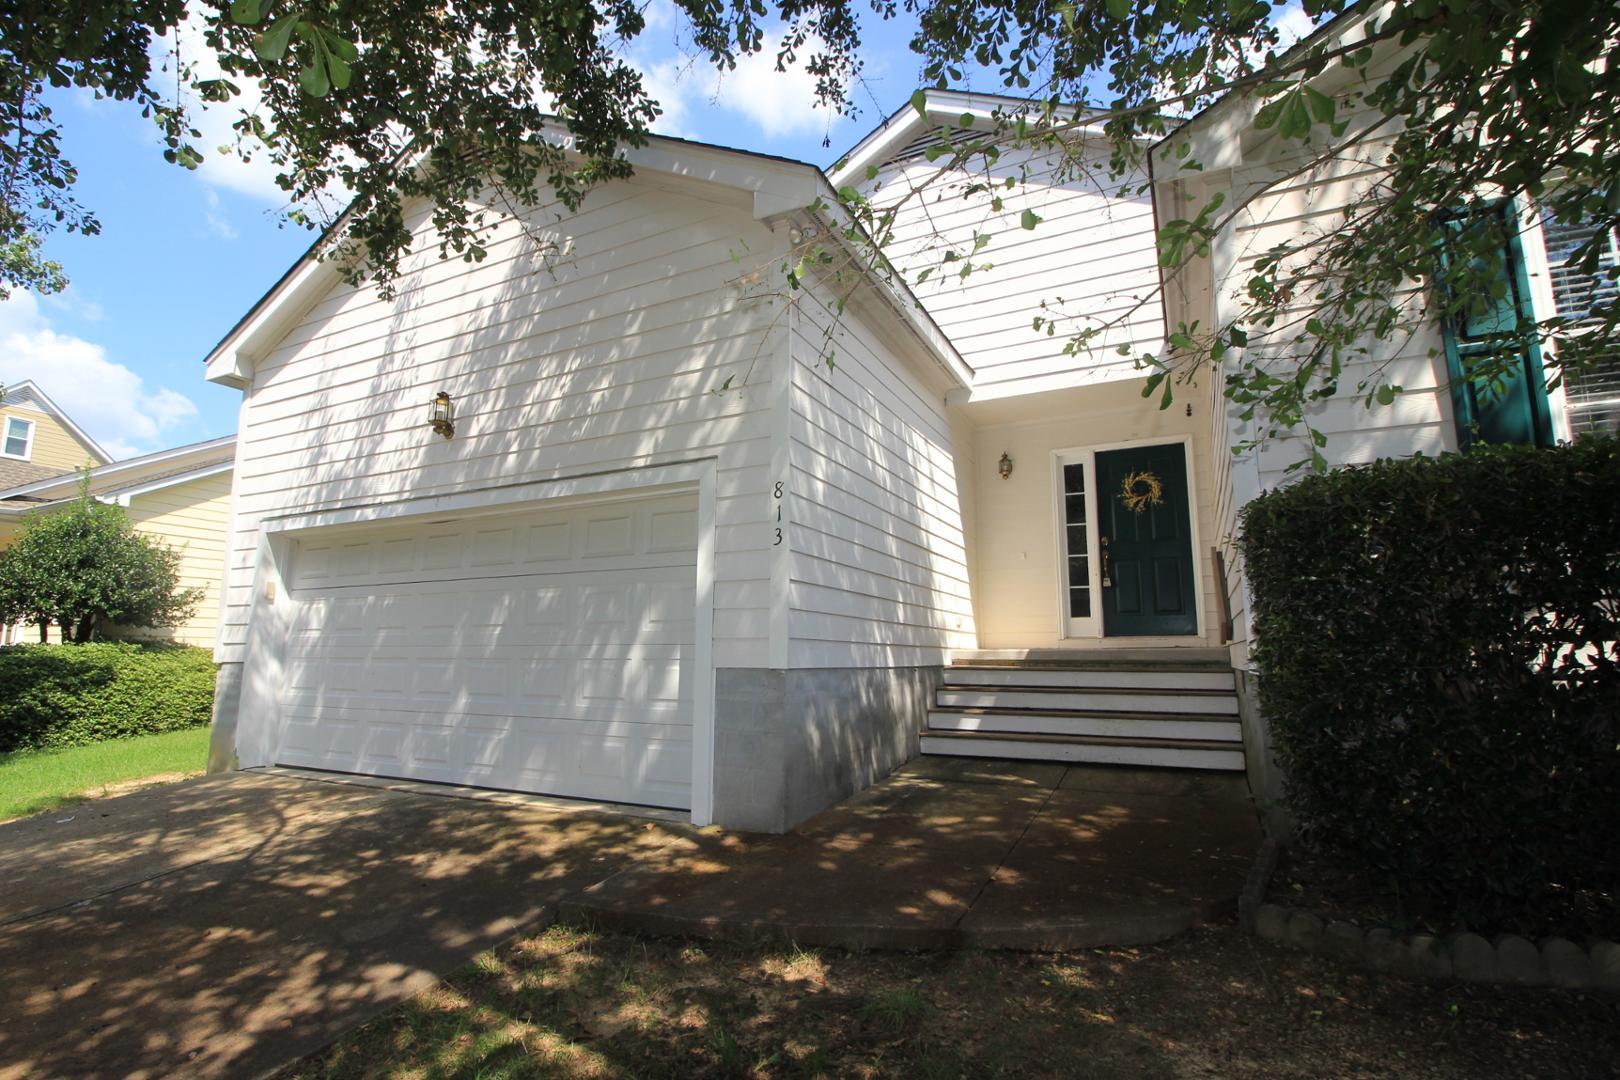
180	496
38	440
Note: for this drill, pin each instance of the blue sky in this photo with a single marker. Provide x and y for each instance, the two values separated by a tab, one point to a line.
182	256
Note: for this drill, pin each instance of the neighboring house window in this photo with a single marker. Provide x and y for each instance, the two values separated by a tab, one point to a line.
19	437
1592	395
1511	408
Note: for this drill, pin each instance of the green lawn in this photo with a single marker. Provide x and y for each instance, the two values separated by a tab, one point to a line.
36	780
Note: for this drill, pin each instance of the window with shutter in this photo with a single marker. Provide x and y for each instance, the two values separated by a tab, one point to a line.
1495	405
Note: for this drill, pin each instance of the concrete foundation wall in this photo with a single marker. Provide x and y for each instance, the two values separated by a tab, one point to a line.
222	729
790	743
1260	758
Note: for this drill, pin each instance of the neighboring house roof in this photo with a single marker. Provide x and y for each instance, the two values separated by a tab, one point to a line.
779	186
14	473
28	392
121	480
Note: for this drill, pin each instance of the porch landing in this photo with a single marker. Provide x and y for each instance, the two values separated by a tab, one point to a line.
952	852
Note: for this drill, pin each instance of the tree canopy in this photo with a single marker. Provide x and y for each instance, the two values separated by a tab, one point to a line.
1488	99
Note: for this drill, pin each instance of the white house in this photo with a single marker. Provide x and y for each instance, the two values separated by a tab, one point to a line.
660	551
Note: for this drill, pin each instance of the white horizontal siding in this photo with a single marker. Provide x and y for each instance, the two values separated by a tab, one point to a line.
1091	256
877	566
1287	205
612	356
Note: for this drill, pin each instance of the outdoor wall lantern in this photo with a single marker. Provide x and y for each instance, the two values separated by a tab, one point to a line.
442	414
1005	465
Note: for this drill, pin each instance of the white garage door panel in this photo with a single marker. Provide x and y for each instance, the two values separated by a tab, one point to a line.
545	652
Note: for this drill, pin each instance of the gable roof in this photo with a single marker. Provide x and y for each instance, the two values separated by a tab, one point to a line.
120	480
779	187
896	135
28	392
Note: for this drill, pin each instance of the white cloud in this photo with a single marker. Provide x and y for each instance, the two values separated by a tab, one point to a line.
1293	24
75	304
217	223
660	15
256	177
109	400
778	103
674	85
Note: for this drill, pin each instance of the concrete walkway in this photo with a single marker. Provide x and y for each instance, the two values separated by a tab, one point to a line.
953	852
227	925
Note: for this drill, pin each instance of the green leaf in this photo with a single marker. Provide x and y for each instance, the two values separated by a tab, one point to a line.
1029	219
1119	9
1322	106
314	81
246	12
271	45
340	46
338	70
919	101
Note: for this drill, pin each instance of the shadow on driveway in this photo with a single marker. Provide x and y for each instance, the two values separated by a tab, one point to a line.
228	925
225	925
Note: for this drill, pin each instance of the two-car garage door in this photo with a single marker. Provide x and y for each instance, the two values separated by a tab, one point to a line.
547	652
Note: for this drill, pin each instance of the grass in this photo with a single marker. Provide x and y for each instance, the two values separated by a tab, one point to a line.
571	1002
32	781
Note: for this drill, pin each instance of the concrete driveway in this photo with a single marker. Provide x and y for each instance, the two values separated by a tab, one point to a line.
225	925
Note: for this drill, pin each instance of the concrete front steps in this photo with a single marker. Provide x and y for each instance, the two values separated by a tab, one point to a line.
1171	708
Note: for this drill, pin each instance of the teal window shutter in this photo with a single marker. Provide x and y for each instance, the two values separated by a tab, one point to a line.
1500	406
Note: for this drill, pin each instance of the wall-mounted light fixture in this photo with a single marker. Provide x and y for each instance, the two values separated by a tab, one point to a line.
1005	465
442	414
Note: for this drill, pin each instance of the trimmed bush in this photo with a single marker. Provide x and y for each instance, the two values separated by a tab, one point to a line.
68	695
1437	645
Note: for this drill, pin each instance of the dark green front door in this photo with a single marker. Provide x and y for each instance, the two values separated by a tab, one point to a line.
1148	574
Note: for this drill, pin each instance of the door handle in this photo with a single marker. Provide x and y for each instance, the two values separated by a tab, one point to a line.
1107	577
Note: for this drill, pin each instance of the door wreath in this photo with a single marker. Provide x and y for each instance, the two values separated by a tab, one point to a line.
1141	490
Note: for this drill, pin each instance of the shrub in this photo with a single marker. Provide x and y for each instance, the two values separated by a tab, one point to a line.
83	566
68	695
1436	641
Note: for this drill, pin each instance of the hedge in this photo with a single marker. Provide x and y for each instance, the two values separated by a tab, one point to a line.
1436	640
68	695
